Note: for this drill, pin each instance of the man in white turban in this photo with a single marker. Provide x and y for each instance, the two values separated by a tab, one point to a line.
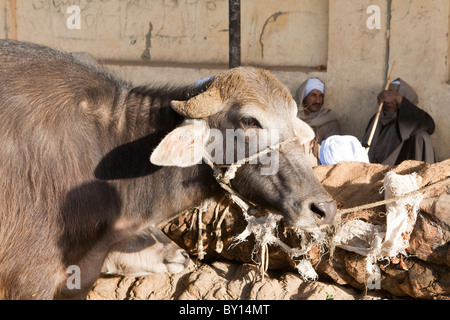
337	149
310	98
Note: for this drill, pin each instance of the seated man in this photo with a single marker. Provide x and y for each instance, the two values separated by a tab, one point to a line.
310	98
403	130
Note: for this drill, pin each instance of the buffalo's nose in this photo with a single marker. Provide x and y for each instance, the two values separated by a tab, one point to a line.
325	211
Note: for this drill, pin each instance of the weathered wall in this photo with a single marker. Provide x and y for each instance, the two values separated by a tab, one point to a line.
180	41
420	44
187	31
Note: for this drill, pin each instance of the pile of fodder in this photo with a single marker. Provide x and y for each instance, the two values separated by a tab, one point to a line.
220	230
375	247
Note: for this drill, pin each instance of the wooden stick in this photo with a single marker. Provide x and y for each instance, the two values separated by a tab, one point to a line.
380	107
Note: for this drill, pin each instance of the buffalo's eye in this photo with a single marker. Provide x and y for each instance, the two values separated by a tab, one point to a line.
250	122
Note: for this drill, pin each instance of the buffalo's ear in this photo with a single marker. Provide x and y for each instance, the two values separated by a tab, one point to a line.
303	131
182	147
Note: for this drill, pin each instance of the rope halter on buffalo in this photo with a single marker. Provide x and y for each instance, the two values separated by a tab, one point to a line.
224	178
375	242
260	222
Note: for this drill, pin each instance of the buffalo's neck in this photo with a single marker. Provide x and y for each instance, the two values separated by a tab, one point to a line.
146	118
178	189
143	111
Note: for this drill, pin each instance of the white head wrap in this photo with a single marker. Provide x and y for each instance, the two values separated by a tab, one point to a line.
342	148
314	83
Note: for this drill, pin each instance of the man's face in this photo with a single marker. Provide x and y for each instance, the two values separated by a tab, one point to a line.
390	98
390	106
313	101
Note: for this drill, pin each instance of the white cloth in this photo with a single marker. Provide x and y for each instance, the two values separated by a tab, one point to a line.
314	83
379	242
335	149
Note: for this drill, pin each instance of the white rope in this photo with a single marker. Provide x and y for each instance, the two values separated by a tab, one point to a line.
397	198
230	173
218	229
200	251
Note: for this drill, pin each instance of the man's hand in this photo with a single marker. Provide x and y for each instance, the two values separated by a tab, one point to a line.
391	100
389	97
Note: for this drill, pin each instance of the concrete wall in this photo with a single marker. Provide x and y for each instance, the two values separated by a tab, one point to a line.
180	41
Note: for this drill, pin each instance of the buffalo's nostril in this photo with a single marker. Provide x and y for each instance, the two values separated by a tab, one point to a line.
317	210
325	211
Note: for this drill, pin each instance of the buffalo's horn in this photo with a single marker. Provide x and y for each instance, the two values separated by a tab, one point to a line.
200	106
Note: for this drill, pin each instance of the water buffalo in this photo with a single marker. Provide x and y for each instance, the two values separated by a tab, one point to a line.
75	174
